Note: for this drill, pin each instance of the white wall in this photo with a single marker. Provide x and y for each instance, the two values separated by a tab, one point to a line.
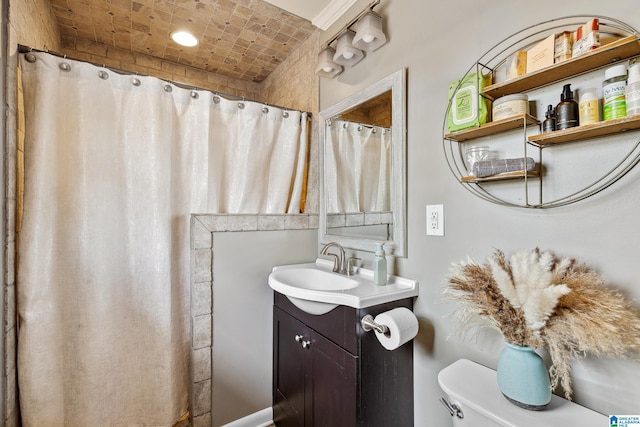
438	42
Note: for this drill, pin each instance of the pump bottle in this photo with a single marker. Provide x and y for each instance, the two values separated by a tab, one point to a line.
549	124
632	93
566	110
379	266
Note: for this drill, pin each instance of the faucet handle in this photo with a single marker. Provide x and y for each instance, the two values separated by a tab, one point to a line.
350	264
336	262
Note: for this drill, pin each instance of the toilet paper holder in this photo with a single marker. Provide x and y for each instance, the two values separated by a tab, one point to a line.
369	324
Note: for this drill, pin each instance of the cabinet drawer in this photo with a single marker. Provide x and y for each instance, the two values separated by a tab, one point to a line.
339	325
342	324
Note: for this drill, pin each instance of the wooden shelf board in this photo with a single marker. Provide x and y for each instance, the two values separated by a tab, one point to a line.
501	176
492	128
624	48
593	130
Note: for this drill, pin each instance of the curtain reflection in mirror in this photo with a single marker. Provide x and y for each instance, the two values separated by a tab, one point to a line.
358	167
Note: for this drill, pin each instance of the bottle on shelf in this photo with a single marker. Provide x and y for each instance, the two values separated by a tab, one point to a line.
566	110
549	123
632	93
589	106
614	105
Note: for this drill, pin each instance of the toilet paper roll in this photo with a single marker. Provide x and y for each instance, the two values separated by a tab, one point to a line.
402	324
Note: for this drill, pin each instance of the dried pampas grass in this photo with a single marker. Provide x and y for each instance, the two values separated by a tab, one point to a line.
539	300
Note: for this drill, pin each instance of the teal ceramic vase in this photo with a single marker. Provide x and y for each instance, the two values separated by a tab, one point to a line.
523	377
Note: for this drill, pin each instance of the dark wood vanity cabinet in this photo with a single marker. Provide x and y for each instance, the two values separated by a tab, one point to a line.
316	384
329	372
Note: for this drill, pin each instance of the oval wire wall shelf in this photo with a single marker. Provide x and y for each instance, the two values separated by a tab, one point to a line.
626	47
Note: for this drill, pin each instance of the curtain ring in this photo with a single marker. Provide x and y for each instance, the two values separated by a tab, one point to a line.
136	81
30	57
168	88
344	125
329	122
359	128
194	94
103	75
216	99
374	130
285	114
265	110
241	105
64	66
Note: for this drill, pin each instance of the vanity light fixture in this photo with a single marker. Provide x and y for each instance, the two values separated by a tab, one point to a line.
326	66
184	38
350	44
369	35
346	54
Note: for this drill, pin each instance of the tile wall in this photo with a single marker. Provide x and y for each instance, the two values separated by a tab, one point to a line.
295	85
98	53
30	23
202	257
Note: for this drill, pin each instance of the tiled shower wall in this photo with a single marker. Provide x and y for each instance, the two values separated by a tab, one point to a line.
293	85
30	22
202	257
110	56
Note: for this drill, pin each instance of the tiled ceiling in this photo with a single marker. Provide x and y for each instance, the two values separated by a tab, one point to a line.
243	39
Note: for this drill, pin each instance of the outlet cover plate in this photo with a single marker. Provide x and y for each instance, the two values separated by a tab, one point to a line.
435	220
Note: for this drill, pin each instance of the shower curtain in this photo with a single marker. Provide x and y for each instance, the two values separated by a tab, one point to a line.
114	166
358	167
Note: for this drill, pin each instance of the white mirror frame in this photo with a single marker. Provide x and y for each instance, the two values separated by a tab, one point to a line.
396	82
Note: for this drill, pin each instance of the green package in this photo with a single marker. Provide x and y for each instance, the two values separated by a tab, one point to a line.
468	108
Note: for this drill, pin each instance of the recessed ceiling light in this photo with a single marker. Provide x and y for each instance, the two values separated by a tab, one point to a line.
184	38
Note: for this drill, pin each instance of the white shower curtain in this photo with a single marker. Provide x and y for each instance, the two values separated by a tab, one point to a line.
113	168
358	167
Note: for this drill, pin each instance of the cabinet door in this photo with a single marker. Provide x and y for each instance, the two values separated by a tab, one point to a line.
331	385
289	369
314	380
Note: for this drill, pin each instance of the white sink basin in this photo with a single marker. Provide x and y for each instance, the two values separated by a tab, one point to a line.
314	279
315	289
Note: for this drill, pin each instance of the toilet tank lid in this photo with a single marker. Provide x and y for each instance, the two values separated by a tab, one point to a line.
475	387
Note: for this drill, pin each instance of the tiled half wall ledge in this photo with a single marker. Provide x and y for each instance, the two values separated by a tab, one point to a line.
202	228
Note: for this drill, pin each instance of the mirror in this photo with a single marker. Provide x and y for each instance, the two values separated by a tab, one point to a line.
363	167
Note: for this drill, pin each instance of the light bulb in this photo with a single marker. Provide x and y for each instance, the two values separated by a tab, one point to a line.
348	55
368	38
326	69
184	38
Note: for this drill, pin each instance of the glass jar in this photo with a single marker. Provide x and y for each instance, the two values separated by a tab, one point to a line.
476	153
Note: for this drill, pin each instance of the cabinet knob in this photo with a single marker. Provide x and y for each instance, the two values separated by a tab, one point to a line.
301	340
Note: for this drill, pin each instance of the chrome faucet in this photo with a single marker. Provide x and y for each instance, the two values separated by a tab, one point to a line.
338	260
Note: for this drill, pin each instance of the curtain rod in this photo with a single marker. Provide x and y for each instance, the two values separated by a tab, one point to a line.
367	125
26	49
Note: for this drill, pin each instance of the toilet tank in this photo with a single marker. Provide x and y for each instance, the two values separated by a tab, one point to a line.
474	389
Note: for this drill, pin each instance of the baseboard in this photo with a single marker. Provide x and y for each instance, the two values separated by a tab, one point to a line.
261	418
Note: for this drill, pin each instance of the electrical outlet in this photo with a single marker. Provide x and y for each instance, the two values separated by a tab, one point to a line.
435	220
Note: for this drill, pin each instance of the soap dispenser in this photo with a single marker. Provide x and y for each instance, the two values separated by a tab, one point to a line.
566	110
379	266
